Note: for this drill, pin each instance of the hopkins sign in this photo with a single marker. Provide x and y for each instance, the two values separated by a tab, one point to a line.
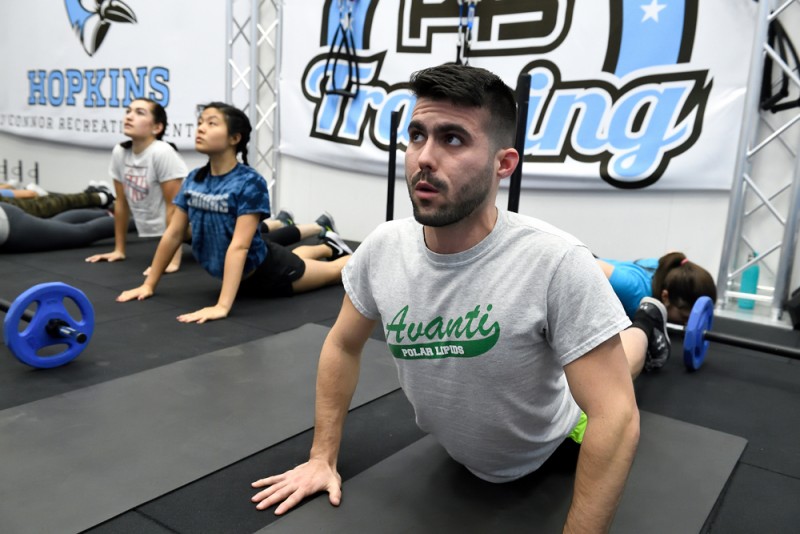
82	64
631	93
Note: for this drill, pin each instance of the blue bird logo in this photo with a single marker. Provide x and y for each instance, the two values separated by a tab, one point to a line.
91	20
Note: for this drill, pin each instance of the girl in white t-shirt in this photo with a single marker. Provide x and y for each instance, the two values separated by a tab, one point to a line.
147	174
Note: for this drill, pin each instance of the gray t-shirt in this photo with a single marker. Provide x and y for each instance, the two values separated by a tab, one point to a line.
480	338
141	176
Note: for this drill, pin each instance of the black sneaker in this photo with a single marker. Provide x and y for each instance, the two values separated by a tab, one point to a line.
102	187
337	245
658	346
326	222
286	217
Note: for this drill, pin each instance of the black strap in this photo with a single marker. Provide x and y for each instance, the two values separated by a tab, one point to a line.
779	40
343	45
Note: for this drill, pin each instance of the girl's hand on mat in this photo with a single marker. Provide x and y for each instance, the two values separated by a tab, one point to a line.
293	486
211	313
140	293
108	256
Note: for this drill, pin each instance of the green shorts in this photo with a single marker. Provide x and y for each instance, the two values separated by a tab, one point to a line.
577	433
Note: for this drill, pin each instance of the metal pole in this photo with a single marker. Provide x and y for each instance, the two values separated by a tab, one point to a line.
228	51
788	247
746	137
5	305
523	97
254	68
276	123
394	125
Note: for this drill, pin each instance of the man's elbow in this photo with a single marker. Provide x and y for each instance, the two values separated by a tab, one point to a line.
630	423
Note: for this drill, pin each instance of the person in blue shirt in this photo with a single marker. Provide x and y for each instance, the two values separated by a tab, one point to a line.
672	279
226	201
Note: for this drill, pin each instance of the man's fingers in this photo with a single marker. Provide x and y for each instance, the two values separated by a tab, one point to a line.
273	495
260	483
335	494
290	502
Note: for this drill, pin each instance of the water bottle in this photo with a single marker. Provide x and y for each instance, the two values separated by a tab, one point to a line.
749	284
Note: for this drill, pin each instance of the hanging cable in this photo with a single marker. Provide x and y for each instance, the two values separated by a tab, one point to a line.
343	46
779	40
460	41
471	5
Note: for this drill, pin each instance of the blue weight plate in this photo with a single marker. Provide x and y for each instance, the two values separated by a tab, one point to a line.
695	345
49	298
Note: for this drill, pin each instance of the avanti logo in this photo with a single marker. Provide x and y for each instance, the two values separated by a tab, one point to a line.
463	337
91	20
633	120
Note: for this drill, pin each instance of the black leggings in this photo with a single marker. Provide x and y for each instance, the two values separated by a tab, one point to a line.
285	236
54	203
70	229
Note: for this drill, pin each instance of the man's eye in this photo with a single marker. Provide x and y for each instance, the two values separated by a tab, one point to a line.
453	140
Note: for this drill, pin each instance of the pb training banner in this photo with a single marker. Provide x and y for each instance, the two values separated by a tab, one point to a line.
624	93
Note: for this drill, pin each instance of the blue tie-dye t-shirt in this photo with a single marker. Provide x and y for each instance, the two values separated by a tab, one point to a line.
213	206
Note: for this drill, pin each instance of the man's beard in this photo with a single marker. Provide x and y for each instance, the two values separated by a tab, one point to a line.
471	195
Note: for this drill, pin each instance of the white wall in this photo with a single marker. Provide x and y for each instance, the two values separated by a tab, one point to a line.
65	168
615	224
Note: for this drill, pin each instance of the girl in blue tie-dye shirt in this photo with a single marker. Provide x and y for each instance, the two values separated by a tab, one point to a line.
226	201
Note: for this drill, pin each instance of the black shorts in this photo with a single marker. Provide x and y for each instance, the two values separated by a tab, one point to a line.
274	277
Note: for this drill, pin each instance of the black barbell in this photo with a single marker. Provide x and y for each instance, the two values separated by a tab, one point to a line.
697	334
49	325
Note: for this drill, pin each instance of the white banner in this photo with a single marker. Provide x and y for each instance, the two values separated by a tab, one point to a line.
70	67
624	93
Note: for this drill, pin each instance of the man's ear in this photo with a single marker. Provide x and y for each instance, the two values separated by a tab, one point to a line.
508	159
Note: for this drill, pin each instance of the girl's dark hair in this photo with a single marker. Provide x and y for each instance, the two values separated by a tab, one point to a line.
159	117
685	281
237	123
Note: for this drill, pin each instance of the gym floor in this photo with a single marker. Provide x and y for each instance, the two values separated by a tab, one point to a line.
740	392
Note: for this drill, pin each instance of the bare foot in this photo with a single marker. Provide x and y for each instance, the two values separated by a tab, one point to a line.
171	268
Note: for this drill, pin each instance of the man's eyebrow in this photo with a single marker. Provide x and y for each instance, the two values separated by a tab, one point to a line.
452	128
440	129
415	125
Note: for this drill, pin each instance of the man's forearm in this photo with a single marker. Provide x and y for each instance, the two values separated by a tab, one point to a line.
605	459
337	377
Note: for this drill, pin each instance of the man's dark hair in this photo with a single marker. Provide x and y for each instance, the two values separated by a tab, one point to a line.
472	87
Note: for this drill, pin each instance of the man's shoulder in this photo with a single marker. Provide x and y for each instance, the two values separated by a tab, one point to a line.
525	226
390	234
398	228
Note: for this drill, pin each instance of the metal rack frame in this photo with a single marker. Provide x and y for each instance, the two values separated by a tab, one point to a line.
738	232
253	63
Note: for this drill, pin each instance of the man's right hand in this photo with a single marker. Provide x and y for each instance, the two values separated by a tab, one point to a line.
293	486
109	256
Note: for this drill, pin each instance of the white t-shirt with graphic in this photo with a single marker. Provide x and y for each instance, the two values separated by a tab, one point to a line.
480	338
141	176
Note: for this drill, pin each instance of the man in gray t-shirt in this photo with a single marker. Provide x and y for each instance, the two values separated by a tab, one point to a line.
503	328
